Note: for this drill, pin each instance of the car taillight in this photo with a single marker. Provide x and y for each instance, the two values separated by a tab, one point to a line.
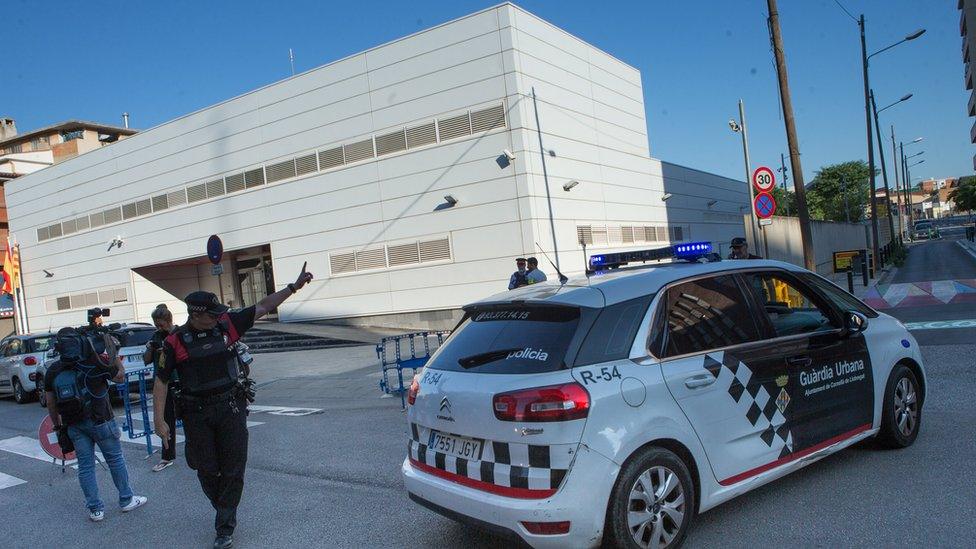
30	361
413	391
552	403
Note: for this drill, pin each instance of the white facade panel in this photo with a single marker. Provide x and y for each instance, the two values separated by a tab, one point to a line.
382	221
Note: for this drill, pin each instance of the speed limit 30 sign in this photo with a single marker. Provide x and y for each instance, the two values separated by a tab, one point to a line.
763	179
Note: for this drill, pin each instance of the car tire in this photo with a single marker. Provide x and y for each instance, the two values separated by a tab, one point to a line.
652	501
21	396
901	416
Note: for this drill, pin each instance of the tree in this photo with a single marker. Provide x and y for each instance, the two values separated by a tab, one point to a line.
964	195
835	183
785	201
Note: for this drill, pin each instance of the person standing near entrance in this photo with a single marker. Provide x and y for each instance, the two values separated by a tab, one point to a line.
533	275
162	318
517	280
213	406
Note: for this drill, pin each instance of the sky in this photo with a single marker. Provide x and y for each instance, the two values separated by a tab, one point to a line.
160	60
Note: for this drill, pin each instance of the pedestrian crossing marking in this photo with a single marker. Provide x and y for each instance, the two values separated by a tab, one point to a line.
284	410
7	481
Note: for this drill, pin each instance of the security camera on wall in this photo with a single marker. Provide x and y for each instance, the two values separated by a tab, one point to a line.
509	155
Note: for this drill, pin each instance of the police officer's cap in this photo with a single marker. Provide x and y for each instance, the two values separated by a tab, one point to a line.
738	241
204	302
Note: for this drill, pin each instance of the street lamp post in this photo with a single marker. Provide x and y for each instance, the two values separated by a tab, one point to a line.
884	170
740	128
867	119
908	168
907	180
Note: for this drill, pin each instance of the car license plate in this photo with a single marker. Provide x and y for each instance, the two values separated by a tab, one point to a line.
453	445
134	358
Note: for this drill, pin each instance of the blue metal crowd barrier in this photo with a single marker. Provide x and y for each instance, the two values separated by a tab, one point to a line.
142	376
393	356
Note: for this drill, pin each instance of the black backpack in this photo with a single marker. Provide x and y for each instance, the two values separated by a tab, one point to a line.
70	393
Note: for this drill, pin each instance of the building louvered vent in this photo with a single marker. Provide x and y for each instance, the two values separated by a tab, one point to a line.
331	158
78	301
419	136
160	203
64	303
254	178
55	230
128	210
84	300
234	183
403	254
106	296
342	263
215	188
97	219
584	234
144	207
91	299
82	223
371	259
43	234
196	193
677	233
488	119
120	295
600	236
650	234
68	227
359	150
391	143
615	235
435	250
51	304
281	170
627	234
306	164
454	127
176	198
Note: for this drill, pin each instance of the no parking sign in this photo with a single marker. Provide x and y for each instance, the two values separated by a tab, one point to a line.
765	205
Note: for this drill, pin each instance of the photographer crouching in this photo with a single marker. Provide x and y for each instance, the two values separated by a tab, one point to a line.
204	356
77	391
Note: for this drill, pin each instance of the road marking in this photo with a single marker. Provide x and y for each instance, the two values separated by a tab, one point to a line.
6	481
31	447
941	324
284	411
965	247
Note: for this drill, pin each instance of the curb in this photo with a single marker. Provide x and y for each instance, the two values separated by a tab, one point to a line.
968	247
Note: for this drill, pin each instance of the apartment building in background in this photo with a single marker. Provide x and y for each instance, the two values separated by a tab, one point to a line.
967	29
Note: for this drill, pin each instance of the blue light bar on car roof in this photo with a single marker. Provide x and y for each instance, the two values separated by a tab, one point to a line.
690	251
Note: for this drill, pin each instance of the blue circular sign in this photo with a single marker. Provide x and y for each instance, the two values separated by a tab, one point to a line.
215	249
765	205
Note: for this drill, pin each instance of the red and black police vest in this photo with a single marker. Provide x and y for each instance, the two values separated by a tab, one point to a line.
206	361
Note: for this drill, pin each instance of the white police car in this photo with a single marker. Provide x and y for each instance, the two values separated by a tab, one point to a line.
616	407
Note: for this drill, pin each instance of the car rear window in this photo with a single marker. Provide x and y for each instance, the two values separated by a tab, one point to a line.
40	344
517	340
132	338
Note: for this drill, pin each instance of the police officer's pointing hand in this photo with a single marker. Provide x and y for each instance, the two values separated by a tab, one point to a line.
304	278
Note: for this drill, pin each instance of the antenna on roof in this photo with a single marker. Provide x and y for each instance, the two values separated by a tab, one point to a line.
562	278
125	120
291	58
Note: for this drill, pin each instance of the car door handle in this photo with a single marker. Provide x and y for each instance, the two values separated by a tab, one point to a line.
703	380
800	361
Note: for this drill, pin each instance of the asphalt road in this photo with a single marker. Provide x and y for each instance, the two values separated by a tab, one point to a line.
330	477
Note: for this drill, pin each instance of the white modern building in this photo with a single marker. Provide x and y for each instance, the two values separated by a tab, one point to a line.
408	176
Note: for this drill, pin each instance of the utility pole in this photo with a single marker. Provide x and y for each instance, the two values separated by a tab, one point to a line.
884	171
784	93
782	170
867	117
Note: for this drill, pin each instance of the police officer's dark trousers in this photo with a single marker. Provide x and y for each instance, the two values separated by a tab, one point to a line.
216	447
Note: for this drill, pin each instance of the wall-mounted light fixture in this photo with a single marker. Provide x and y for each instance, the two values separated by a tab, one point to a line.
666	197
116	242
570	184
712	203
47	273
451	201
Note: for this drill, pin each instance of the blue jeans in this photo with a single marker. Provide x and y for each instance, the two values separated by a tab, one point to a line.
86	435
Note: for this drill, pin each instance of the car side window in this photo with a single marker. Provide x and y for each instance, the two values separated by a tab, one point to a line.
612	335
791	309
707	314
837	296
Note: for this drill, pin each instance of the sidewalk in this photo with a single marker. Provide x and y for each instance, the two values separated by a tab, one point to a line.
968	246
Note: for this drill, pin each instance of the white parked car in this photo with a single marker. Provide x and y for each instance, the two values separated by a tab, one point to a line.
20	355
618	406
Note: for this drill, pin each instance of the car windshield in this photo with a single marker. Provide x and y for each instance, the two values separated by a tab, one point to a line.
40	344
134	337
516	340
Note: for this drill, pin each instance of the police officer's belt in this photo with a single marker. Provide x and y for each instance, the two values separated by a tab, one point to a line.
232	393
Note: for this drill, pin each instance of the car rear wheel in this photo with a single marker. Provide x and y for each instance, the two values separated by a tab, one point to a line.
902	413
21	396
652	503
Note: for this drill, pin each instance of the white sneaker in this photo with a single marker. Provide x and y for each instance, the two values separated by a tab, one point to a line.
96	516
137	502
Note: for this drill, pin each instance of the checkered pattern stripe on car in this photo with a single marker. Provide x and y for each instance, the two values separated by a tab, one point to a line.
504	464
756	401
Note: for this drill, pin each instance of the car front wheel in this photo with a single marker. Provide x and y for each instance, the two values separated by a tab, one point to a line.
652	503
902	413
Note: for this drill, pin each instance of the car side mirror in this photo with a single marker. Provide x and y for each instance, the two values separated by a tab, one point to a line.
854	323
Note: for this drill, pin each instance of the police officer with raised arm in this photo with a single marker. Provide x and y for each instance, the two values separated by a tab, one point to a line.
202	355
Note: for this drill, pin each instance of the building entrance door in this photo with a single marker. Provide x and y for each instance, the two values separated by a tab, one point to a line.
256	279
